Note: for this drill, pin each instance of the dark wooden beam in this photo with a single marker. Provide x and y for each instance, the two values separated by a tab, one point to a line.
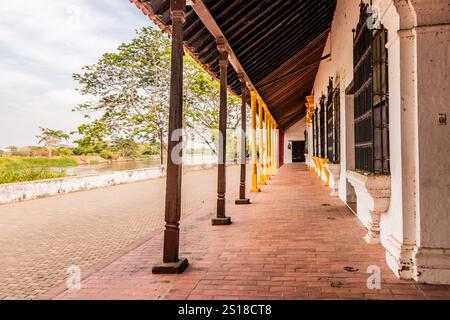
172	263
210	23
242	194
221	218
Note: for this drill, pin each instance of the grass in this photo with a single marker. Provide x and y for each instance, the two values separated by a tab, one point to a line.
22	169
28	174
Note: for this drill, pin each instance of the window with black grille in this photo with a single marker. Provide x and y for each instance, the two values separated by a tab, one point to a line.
306	142
322	129
371	96
315	134
329	121
336	126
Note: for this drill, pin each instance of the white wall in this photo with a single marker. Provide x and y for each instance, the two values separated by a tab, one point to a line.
340	67
417	224
294	133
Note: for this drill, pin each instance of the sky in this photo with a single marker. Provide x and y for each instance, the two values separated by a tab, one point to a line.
42	43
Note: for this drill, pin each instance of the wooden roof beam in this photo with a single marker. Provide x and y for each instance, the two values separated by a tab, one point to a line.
210	23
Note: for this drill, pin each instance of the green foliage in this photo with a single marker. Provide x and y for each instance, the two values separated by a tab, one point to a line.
49	136
151	150
28	174
131	88
108	155
126	148
92	139
64	152
20	169
28	162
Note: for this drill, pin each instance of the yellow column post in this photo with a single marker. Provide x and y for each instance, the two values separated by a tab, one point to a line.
270	146
274	147
262	181
254	152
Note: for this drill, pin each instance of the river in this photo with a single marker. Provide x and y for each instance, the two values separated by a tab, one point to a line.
83	170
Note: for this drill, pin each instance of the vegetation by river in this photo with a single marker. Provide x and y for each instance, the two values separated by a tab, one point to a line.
21	169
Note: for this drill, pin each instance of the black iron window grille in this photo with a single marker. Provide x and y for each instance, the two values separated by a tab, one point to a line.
330	121
315	134
336	126
322	130
306	142
371	96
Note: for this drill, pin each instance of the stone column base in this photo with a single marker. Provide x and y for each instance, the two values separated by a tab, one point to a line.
399	257
424	265
171	267
335	172
373	196
221	221
431	265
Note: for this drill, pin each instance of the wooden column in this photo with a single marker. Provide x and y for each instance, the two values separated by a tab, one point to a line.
242	194
254	150
171	262
267	138
272	147
221	218
275	147
262	181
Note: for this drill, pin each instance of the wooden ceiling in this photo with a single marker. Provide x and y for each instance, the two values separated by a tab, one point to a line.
279	44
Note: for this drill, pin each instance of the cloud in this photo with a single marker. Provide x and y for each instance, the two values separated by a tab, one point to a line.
41	44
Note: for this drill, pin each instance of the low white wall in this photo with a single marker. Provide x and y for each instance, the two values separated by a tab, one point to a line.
15	192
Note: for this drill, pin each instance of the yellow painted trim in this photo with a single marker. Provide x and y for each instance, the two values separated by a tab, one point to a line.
254	187
262	168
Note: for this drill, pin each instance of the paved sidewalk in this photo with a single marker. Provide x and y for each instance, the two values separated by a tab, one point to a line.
293	242
41	239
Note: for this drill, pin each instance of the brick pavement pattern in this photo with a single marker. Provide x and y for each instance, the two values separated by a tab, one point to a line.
293	242
41	239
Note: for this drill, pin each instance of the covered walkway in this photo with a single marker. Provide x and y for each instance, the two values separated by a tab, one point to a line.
293	242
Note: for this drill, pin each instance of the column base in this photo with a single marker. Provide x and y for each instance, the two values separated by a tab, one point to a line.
262	183
399	257
255	190
432	265
171	267
373	194
242	201
221	221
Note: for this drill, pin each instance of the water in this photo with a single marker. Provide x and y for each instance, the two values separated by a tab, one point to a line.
84	170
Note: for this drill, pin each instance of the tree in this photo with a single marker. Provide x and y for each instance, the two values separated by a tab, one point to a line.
130	90
127	148
51	138
201	99
92	138
130	87
12	149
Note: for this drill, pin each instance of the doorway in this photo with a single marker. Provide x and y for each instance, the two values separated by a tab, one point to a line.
298	151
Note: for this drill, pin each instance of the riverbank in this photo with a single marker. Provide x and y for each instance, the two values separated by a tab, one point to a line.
21	169
24	169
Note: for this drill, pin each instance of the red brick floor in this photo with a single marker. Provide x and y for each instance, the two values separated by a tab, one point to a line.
293	242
